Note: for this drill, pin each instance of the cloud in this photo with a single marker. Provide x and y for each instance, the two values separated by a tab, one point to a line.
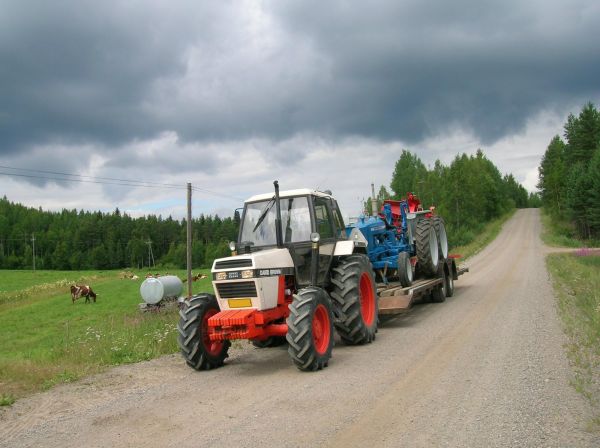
230	95
112	72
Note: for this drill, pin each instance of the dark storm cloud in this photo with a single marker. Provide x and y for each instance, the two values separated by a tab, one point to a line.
110	72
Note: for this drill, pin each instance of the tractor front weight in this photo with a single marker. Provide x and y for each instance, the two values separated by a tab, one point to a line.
248	324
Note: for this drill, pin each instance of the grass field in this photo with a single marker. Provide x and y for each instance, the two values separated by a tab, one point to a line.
46	339
576	281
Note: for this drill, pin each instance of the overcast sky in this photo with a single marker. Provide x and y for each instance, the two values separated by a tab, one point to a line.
230	95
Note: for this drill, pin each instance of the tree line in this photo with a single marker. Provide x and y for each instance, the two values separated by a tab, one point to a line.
468	193
569	174
71	239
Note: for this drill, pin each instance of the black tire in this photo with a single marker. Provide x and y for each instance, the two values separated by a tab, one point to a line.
355	303
405	272
310	329
427	248
273	341
438	295
198	351
449	285
442	237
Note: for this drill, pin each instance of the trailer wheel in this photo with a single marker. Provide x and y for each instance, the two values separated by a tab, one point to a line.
438	295
272	341
449	285
310	329
427	247
405	272
196	347
440	232
355	304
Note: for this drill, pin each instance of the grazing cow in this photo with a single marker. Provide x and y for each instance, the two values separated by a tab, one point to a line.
78	291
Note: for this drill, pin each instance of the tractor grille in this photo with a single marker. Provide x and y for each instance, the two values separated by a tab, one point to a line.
232	290
237	263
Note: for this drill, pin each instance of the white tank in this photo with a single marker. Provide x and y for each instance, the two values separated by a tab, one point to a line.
153	290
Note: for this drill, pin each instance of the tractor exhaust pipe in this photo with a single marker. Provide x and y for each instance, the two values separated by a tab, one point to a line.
373	201
278	234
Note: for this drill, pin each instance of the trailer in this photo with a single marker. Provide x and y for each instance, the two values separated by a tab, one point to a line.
396	299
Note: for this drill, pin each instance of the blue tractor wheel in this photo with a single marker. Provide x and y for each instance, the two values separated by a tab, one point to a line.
427	248
405	270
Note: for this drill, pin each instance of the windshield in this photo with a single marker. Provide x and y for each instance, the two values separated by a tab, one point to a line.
258	226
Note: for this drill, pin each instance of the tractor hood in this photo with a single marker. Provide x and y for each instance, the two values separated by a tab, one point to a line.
252	280
264	259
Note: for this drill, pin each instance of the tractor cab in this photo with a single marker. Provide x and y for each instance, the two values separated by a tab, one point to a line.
304	215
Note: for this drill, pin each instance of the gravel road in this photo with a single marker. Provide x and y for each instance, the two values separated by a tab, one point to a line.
487	368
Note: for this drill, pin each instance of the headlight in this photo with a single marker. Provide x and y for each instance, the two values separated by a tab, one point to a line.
248	274
221	275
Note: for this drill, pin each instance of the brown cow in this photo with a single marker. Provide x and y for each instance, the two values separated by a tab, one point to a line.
78	291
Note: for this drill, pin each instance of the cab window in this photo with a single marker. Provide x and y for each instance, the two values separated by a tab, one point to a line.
323	218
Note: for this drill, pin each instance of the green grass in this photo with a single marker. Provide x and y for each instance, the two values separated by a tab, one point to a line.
483	238
6	400
576	281
46	339
559	232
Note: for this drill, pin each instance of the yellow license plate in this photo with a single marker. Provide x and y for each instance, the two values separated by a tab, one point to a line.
239	303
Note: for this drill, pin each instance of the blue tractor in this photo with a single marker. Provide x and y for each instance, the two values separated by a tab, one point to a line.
403	241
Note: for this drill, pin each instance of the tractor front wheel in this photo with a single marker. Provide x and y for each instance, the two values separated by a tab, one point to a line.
310	329
196	347
355	300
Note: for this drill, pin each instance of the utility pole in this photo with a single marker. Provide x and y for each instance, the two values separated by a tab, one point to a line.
33	249
150	254
189	240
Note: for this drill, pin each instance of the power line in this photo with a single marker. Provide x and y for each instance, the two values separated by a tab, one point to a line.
123	184
81	176
215	193
106	181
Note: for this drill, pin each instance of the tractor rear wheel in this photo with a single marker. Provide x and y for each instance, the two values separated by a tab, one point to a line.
196	347
405	272
354	297
440	232
427	247
310	329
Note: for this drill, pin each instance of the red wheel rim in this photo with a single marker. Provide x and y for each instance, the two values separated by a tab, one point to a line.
321	329
213	348
367	299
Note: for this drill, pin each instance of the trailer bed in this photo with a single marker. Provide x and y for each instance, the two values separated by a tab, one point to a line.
394	299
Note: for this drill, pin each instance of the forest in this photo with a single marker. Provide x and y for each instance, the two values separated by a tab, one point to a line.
569	174
468	193
77	240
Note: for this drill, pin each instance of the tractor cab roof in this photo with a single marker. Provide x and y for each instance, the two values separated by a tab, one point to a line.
287	194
